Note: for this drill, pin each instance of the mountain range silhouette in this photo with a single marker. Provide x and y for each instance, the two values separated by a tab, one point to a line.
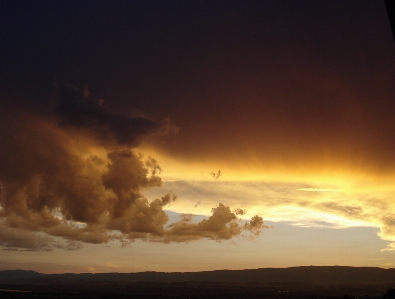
306	274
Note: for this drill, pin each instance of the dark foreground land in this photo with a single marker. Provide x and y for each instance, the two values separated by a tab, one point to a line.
288	283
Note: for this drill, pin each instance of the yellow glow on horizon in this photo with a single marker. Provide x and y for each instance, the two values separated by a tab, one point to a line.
298	216
322	178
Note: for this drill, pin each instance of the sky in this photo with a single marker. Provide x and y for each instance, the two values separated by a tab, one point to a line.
196	135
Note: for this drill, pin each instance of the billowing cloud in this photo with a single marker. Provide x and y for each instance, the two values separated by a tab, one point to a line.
76	176
223	224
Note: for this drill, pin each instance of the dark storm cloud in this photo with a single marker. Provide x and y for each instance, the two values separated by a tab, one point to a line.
76	109
288	83
55	193
281	80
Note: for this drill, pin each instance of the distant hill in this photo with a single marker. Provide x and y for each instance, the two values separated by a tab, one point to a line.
19	274
312	274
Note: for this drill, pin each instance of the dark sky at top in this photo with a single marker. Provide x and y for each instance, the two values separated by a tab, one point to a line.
283	77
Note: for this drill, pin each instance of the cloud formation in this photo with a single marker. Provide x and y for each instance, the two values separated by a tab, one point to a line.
76	109
223	224
216	175
284	202
19	239
76	175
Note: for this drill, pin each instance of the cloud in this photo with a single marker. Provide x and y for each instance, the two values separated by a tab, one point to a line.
239	211
216	175
353	211
76	109
390	247
282	202
19	239
318	190
221	225
76	176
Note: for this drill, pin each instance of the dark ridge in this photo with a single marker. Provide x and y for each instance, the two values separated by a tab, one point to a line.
311	274
335	282
19	274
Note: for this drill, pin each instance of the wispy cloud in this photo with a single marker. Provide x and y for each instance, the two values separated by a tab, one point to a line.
318	190
283	202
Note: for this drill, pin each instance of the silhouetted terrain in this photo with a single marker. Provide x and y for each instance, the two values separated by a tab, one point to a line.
312	274
295	282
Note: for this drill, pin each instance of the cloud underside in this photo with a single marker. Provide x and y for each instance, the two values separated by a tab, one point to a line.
75	177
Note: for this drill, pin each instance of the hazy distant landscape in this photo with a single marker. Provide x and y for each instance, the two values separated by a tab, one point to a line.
294	282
